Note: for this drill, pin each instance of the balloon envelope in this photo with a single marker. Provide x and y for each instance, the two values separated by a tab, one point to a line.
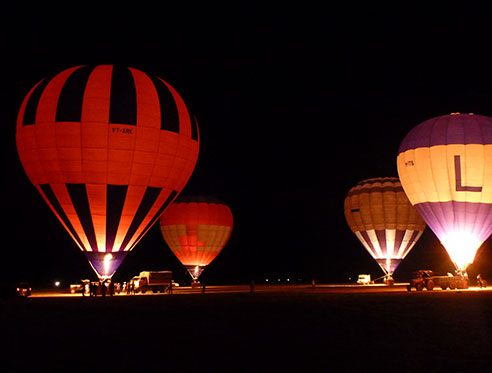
196	229
445	167
379	213
108	148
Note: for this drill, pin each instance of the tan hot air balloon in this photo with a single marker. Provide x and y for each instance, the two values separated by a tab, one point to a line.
381	216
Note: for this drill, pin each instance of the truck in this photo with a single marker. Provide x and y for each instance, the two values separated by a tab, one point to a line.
79	287
427	279
157	281
364	279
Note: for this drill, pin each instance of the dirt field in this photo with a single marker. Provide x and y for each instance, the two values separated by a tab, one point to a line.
298	331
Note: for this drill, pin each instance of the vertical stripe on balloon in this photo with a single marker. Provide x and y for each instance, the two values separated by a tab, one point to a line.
169	110
146	204
399	234
116	195
48	193
69	107
366	241
169	200
78	195
123	104
32	103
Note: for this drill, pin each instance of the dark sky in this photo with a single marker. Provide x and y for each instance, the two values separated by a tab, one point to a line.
295	105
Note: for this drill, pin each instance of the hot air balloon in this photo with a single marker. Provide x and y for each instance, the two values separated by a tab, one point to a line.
108	148
196	229
445	167
379	213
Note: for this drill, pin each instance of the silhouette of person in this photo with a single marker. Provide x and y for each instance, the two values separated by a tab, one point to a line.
480	280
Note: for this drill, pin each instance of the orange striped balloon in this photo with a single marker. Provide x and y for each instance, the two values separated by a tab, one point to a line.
108	148
196	229
381	216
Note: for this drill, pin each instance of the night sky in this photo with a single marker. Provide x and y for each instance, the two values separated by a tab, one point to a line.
295	105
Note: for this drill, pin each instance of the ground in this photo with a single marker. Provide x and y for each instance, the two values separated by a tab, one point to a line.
301	329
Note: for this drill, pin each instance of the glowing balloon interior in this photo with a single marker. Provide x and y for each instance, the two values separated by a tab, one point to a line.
196	229
445	167
379	213
108	148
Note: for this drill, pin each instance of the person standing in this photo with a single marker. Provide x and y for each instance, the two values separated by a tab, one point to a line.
480	280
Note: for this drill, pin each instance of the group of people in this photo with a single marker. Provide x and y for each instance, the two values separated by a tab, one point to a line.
107	287
129	287
96	288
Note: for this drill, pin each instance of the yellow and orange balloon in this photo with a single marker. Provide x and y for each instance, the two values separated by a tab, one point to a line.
108	148
379	214
196	229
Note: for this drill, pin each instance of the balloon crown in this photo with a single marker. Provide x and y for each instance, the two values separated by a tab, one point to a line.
198	199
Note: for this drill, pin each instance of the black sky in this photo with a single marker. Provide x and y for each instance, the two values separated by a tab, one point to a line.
295	105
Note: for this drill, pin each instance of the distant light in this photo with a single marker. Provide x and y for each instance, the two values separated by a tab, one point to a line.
288	279
266	280
278	280
57	283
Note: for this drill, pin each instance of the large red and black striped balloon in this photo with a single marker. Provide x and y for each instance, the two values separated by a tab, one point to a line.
108	148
